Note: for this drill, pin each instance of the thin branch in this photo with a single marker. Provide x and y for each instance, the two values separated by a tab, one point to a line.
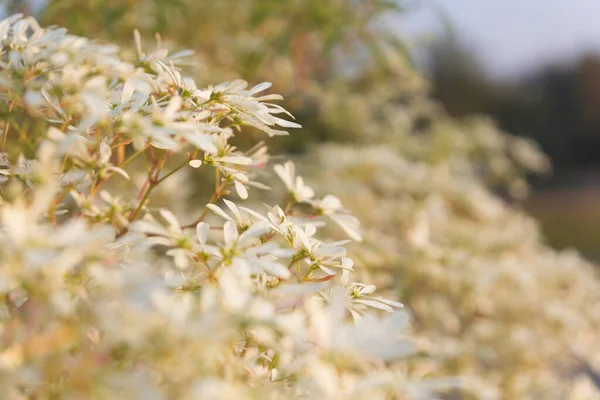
10	106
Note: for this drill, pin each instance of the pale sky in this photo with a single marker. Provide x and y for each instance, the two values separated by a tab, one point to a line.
512	36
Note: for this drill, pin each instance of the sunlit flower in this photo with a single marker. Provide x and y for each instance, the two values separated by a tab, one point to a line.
107	294
294	184
331	207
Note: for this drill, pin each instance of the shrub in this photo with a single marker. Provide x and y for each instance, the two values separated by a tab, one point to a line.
108	296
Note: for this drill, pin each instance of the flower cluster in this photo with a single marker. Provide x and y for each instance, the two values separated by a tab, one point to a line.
491	301
108	295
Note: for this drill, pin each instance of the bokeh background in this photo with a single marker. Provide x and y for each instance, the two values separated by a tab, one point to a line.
535	67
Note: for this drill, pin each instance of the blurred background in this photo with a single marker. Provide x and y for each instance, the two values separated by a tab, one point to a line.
533	65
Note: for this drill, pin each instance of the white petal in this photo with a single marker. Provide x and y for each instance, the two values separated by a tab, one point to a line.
374	304
202	230
200	140
231	205
120	171
286	174
236	160
219	211
230	233
238	84
331	251
260	87
368	289
138	43
241	190
310	229
274	268
258	185
180	257
172	108
347	263
195	163
327	270
270	97
286	124
390	302
302	237
128	89
170	218
255	230
254	214
159	240
147	227
349	224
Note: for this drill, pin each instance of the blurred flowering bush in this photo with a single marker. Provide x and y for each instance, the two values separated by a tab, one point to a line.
490	301
106	296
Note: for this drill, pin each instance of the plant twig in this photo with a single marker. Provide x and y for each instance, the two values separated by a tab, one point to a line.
10	106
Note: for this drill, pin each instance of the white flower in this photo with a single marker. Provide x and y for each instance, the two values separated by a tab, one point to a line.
163	125
172	236
294	184
220	310
158	55
247	250
358	297
242	221
331	207
370	338
316	254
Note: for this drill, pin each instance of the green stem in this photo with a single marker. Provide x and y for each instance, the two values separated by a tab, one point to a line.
147	193
183	164
132	157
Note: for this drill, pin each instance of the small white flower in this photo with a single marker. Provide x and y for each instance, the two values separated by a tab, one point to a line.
331	207
180	243
294	184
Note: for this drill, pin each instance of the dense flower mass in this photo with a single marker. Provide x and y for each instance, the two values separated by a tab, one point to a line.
108	294
490	301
